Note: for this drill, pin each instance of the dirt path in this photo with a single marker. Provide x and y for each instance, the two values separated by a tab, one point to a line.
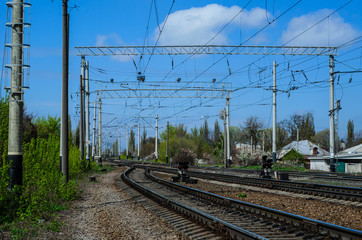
105	211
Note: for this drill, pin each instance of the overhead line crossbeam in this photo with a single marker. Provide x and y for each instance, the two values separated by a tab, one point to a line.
205	49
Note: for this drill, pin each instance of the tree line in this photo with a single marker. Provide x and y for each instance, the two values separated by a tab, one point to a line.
208	144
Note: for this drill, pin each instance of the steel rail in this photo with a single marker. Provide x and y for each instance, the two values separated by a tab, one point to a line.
228	230
307	224
329	191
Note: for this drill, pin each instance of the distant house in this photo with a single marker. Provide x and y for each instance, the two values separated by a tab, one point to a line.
246	148
304	147
348	161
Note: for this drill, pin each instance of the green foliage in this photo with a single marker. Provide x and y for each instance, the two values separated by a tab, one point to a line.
4	122
288	167
132	142
322	139
253	167
242	195
350	134
294	157
44	190
307	127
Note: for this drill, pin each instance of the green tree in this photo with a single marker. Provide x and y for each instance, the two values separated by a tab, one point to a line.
178	139
350	134
144	137
307	127
322	139
206	132
4	123
131	141
216	133
76	136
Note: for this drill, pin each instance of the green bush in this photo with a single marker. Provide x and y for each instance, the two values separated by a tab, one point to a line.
44	189
294	157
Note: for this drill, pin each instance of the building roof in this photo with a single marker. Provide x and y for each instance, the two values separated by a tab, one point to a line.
353	150
304	147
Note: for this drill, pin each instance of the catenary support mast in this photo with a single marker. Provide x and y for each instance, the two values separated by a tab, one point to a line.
86	92
274	113
331	114
100	131
64	115
228	133
138	148
156	140
94	131
16	102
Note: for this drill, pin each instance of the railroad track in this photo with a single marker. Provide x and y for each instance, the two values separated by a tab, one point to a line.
311	175
327	191
232	218
327	176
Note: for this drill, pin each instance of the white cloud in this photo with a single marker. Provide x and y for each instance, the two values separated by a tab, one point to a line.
111	39
332	31
199	25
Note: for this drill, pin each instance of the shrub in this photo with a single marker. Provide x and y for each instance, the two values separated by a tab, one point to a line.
185	155
294	157
44	189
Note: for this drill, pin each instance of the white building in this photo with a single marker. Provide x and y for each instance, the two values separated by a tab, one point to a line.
348	161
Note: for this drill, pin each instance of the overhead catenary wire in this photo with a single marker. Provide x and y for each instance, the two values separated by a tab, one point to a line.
300	63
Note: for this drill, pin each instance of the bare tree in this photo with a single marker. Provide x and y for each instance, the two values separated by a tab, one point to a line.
251	126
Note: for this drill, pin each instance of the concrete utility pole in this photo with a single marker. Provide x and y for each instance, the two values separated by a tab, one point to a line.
81	121
94	131
263	141
228	160
274	112
87	137
16	101
338	107
127	145
223	117
251	143
138	148
167	142
332	166
156	140
64	116
119	146
298	139
100	132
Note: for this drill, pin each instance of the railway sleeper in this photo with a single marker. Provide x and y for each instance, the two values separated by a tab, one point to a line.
290	222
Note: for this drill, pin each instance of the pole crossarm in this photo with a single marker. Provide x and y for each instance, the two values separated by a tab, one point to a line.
204	50
168	90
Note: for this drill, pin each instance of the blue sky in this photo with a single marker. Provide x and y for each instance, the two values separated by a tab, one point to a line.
114	22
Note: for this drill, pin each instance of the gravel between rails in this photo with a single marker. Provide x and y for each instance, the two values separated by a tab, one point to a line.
338	214
105	211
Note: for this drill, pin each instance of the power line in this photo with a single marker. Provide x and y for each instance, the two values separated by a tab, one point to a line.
159	35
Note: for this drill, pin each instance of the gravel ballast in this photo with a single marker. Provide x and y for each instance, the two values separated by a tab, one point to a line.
338	214
105	211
